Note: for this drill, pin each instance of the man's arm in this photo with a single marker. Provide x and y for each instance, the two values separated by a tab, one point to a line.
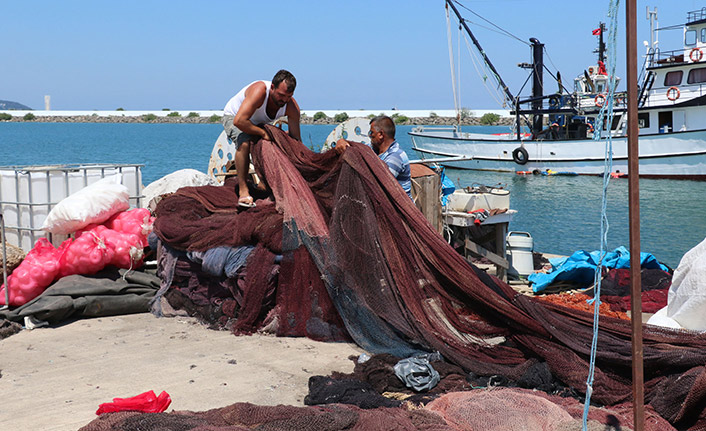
293	119
254	98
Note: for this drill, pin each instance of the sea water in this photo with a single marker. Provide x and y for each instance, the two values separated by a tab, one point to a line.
561	213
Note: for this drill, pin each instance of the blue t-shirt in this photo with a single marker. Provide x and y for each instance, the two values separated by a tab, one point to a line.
398	163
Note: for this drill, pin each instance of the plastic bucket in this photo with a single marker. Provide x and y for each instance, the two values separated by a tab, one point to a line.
519	253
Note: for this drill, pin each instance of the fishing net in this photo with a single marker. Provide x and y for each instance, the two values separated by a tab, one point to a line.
245	416
399	288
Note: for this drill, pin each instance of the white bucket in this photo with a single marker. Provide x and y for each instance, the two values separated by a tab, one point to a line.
519	253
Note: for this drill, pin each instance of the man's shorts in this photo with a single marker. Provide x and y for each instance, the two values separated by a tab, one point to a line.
236	135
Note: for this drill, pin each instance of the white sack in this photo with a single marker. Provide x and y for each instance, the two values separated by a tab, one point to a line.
686	302
660	318
173	182
94	203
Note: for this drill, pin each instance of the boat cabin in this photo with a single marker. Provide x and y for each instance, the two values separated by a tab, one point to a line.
673	91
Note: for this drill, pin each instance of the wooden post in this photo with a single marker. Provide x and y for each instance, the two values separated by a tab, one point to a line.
426	194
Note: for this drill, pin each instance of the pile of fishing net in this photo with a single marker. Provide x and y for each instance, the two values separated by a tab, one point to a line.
247	417
498	409
358	258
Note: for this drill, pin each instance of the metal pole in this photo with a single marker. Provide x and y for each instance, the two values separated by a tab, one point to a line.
638	389
4	263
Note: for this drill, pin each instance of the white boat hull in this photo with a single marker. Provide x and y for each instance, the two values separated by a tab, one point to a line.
678	155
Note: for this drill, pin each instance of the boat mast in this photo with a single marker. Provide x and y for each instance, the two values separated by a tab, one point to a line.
482	52
537	84
601	44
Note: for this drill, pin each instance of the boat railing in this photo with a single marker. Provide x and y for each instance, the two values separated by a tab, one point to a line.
696	15
456	130
660	58
659	97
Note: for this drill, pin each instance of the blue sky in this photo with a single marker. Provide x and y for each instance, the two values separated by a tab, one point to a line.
155	54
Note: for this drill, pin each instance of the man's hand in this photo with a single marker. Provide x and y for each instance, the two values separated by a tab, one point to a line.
341	146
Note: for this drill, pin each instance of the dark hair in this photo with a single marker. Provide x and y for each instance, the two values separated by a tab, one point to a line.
384	123
286	77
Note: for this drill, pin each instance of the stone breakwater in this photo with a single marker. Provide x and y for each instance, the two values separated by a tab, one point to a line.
426	121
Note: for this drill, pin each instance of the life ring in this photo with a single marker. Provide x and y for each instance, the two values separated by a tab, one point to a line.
696	55
673	93
599	100
620	100
520	155
553	101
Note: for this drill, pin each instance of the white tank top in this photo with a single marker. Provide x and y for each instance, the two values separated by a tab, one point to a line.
259	117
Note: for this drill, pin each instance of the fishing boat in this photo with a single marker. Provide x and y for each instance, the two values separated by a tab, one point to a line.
562	125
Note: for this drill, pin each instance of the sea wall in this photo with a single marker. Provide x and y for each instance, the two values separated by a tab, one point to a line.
216	119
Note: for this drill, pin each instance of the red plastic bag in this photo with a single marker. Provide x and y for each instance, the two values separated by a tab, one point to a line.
146	402
36	272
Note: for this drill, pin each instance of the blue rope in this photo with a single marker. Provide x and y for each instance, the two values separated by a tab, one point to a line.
605	116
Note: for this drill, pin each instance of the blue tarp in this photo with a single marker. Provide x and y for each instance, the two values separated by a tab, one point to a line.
447	187
580	267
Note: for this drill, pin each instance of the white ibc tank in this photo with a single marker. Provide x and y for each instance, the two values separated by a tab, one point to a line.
28	193
519	253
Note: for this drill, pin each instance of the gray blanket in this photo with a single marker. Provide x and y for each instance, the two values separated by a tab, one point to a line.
103	294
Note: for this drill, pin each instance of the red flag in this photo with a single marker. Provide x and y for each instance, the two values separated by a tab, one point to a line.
596	32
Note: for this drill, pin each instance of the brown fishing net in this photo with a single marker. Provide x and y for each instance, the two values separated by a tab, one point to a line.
399	288
245	416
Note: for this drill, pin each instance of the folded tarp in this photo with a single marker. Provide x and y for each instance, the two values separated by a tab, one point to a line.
580	267
103	294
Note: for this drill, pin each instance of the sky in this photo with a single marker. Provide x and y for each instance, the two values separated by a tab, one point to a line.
377	54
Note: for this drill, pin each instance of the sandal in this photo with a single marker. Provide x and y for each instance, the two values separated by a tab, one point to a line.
246	202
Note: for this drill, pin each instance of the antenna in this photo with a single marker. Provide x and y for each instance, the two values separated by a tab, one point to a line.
652	16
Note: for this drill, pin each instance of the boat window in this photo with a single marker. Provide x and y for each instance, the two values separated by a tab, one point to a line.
690	37
643	120
673	78
703	35
616	121
697	75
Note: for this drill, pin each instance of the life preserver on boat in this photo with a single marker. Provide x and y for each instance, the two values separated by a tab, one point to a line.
599	100
673	93
520	155
696	55
620	100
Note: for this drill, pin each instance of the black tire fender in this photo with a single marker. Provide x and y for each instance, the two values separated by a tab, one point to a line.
520	155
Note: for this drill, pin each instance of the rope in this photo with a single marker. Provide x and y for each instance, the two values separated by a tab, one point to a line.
605	116
451	60
494	92
502	30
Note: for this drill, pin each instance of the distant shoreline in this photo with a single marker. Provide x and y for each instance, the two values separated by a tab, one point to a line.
215	119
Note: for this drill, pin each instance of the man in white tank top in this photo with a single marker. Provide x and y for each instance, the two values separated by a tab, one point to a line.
244	116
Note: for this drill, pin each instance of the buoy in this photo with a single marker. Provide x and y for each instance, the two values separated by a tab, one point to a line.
696	55
673	93
599	100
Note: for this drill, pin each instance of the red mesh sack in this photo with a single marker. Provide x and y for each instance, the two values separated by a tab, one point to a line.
36	272
136	221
